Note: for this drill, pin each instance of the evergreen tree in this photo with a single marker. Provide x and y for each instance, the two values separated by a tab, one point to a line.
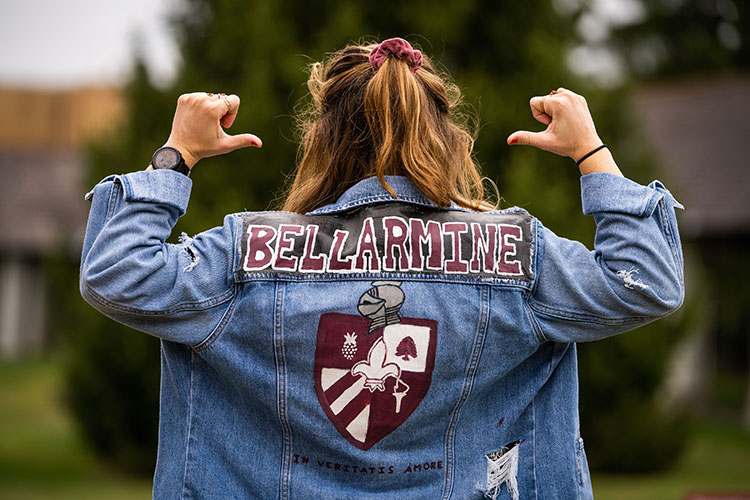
674	39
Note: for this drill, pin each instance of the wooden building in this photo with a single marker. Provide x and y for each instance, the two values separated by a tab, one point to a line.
42	210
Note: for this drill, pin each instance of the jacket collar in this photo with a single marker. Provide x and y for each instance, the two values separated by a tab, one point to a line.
370	190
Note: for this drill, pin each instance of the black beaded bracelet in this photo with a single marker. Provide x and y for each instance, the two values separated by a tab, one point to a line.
578	163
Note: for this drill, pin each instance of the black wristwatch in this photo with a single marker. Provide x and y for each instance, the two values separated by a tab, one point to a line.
169	158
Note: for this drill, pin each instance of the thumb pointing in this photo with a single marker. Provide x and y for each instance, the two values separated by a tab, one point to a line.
238	141
522	137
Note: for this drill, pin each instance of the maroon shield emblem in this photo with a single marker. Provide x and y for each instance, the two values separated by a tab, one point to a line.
372	371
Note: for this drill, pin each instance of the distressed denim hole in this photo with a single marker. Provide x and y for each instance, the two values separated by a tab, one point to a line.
186	243
502	468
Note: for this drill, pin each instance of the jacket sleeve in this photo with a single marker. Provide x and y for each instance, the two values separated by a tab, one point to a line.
179	292
633	276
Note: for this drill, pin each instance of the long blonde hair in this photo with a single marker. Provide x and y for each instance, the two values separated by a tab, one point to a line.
360	122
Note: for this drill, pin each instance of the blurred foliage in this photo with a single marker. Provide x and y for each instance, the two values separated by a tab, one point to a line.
625	427
500	52
678	37
111	378
730	294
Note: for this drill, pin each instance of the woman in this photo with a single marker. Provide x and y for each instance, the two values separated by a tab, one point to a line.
388	335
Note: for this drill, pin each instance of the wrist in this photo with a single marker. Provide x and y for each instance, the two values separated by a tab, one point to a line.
585	147
169	158
601	161
590	153
187	156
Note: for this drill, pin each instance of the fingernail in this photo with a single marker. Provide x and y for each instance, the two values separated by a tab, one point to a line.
513	141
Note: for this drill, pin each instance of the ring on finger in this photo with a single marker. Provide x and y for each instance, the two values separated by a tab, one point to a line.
226	101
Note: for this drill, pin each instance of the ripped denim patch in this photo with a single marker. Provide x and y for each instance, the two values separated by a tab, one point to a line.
502	468
186	242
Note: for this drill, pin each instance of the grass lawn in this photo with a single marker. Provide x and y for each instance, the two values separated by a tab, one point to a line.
717	460
42	458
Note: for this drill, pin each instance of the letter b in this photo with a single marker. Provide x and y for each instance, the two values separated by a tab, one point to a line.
259	250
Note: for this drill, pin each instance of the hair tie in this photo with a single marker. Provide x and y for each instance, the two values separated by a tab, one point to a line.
590	153
399	48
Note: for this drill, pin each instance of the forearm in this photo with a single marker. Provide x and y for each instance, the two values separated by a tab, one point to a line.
126	259
634	275
129	272
126	234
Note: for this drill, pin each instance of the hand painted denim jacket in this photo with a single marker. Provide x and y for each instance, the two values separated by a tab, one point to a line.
379	347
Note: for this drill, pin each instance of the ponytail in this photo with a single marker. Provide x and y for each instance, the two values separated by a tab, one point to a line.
395	116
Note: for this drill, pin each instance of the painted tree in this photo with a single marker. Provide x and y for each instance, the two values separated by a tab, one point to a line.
406	348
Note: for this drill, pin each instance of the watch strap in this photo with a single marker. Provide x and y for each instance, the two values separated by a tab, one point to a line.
182	168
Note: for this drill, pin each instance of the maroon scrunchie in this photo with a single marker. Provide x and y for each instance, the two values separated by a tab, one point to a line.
398	47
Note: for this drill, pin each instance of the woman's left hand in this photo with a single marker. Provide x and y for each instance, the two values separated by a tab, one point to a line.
570	131
199	123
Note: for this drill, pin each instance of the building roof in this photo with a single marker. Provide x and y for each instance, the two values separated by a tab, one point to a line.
49	119
700	128
42	134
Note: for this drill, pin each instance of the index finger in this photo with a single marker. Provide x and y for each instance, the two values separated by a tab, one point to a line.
229	104
537	109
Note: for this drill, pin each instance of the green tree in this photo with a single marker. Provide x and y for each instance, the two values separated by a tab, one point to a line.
112	374
500	52
681	38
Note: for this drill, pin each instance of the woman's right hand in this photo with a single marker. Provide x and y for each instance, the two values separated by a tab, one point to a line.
570	131
199	123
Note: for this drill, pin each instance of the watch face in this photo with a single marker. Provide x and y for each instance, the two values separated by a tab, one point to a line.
166	158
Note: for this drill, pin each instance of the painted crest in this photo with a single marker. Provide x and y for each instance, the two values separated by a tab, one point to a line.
372	370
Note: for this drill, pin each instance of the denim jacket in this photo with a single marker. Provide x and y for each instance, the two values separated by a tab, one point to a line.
379	347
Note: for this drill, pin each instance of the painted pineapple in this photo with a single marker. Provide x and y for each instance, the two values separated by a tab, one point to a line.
349	349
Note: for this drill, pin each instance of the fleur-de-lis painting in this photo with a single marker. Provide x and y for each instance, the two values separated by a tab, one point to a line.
374	370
